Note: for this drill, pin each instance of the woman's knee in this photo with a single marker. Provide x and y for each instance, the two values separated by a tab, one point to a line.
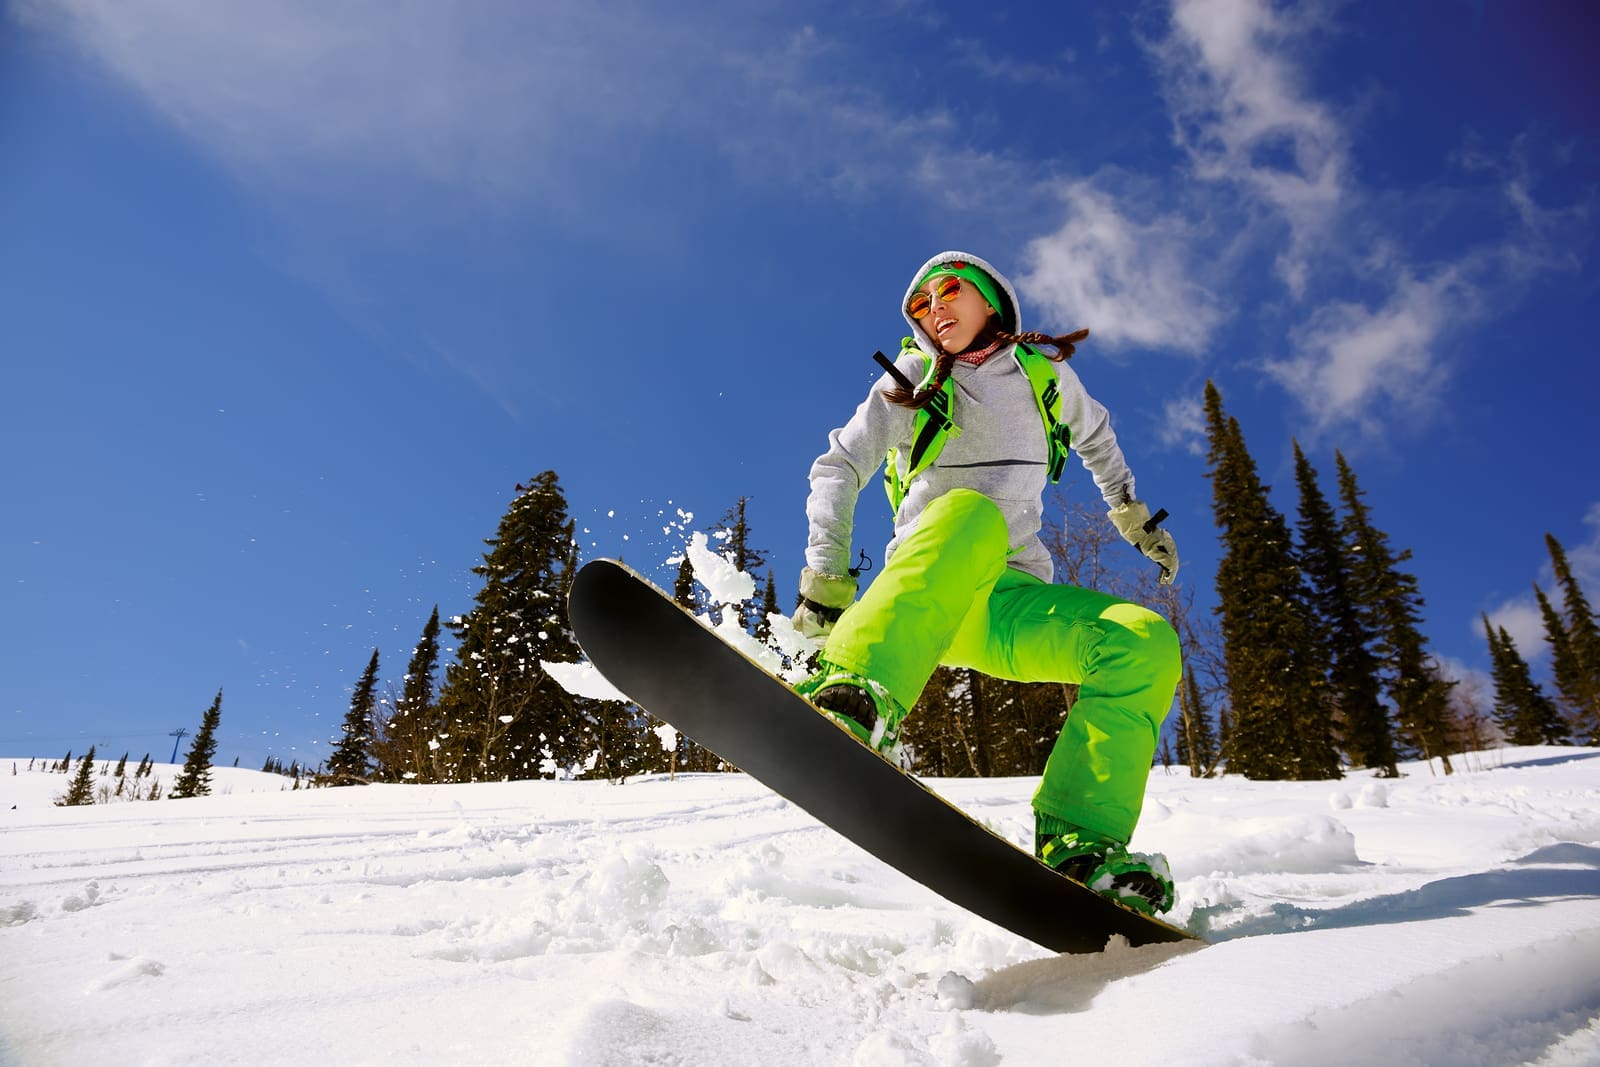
1143	644
1164	652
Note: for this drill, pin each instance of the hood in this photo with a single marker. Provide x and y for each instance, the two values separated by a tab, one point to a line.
1012	316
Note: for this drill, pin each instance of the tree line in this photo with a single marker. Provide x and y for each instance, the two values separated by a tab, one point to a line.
1324	663
1312	661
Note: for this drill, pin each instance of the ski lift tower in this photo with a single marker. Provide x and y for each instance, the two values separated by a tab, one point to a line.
180	733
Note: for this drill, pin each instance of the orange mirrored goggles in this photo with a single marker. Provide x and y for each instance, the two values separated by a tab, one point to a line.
946	287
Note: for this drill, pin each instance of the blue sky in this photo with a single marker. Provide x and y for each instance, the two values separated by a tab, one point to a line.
293	294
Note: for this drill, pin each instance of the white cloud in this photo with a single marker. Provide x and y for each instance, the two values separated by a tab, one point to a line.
1234	73
1354	364
371	108
1009	67
1521	619
374	108
1131	281
1585	558
1242	113
1361	364
1183	424
359	103
488	96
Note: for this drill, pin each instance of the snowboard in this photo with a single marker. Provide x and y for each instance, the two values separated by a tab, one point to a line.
678	670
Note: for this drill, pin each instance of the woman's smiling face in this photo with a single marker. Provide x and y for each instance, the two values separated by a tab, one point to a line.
957	312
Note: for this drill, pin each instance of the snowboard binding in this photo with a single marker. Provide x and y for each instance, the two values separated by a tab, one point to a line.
858	704
1140	880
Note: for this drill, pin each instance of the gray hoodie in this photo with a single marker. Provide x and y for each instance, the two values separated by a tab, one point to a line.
999	449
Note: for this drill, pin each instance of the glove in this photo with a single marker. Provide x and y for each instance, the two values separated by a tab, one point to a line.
1134	523
823	598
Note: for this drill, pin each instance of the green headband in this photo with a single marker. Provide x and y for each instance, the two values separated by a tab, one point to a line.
966	271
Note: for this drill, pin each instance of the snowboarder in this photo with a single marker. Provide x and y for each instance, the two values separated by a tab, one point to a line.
969	424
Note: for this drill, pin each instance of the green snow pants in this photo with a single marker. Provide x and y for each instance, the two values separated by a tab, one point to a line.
947	597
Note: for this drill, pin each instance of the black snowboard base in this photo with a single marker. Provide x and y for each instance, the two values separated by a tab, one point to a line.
670	664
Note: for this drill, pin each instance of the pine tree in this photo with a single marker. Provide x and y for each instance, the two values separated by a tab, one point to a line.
502	715
404	754
122	766
1391	603
195	778
1577	661
349	764
769	608
1276	681
1524	713
81	791
1357	695
1567	675
683	587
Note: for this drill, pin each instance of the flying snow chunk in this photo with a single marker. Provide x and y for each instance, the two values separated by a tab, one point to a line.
726	583
583	680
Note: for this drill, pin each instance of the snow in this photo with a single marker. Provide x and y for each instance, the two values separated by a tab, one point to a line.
1426	919
581	679
724	581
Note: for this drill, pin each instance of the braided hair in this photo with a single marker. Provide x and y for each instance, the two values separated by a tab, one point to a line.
1064	346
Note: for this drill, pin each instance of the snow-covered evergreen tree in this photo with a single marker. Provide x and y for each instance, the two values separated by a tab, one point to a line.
501	716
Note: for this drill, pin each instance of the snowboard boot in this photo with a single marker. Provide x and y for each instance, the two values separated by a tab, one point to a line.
858	704
1140	880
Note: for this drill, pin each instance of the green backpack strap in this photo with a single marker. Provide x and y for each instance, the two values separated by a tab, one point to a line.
1047	394
930	429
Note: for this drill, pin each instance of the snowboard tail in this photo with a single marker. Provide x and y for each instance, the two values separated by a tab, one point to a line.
677	669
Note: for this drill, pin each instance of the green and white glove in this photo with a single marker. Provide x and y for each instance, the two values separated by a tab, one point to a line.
823	598
1134	523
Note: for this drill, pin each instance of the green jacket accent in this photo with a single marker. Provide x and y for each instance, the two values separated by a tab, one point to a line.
934	425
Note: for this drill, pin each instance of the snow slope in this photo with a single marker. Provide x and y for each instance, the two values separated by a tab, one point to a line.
1427	920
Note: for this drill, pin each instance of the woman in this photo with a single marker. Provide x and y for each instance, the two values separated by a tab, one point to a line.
970	424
